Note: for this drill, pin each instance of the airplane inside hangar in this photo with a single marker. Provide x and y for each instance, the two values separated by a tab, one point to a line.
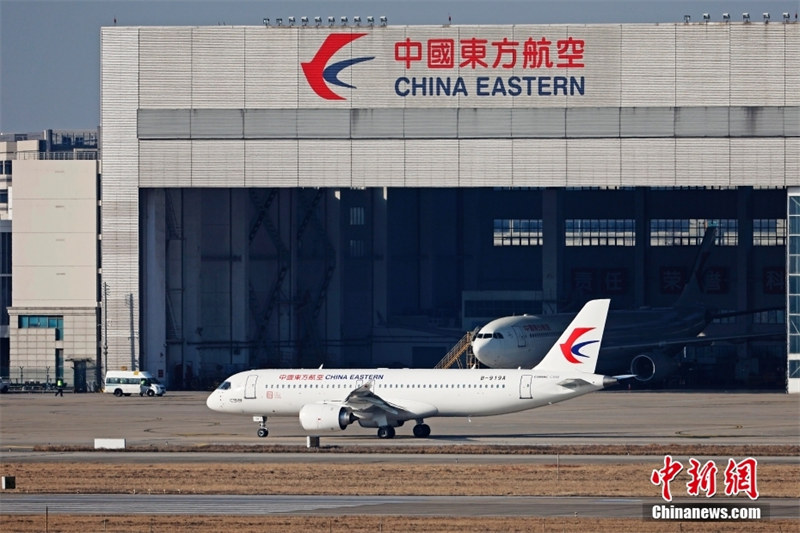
395	277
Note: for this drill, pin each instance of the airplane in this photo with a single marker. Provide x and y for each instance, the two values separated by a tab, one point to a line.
643	342
329	400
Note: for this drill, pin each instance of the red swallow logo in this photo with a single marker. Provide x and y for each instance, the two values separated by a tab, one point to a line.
570	349
319	74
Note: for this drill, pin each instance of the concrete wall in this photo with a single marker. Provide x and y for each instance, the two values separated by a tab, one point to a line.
55	234
55	270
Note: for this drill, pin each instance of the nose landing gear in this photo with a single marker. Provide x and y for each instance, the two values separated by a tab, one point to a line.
262	426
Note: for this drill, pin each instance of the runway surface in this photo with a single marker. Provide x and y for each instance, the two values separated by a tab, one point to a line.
183	420
120	504
627	418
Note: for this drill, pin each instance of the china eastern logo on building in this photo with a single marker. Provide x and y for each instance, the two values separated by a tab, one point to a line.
321	73
533	66
543	63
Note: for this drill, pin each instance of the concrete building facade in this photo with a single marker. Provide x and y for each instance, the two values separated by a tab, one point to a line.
280	196
52	298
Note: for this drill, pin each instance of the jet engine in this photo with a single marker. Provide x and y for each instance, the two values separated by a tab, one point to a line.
649	366
325	417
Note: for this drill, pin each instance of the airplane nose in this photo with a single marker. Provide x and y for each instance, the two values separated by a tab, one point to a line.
482	348
214	401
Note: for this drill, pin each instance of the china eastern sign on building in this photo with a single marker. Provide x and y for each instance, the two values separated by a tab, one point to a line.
542	58
468	66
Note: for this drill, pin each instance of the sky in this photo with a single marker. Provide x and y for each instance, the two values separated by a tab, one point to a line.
50	50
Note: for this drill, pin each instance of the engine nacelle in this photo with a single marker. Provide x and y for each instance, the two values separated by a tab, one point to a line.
650	366
325	417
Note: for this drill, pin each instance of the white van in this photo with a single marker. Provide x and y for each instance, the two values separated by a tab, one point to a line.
129	382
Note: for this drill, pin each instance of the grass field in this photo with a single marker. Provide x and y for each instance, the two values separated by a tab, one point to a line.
370	478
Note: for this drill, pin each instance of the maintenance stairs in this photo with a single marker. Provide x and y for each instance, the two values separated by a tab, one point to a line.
460	354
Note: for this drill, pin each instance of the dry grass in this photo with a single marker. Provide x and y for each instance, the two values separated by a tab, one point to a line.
384	478
371	524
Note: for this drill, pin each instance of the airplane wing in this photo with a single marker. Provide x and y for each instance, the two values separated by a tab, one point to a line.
366	404
701	340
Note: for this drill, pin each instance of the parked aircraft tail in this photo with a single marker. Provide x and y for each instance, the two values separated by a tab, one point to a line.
579	345
692	293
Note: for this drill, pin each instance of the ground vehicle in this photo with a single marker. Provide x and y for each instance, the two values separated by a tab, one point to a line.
4	385
129	382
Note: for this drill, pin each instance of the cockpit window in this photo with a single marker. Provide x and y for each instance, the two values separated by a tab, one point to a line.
498	335
225	385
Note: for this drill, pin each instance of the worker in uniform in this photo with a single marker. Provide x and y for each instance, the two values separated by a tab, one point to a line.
59	387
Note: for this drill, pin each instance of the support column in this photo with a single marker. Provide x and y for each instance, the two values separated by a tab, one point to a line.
153	278
552	244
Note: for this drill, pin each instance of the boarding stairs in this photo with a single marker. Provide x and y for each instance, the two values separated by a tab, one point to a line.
462	348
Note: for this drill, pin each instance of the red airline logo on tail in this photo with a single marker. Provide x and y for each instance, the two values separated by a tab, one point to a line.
570	349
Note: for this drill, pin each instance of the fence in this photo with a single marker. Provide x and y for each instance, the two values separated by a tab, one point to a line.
82	377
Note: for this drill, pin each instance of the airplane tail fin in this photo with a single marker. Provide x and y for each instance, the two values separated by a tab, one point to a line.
692	292
579	345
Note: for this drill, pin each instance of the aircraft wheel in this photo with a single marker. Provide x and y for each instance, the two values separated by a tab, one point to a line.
386	432
263	432
118	393
422	430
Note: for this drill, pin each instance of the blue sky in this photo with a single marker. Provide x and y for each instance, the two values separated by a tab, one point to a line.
50	50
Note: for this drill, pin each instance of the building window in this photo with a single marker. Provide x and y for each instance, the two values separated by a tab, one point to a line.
5	299
356	248
769	232
517	232
728	318
772	316
3	196
690	231
356	216
793	251
5	252
496	308
794	368
600	232
39	321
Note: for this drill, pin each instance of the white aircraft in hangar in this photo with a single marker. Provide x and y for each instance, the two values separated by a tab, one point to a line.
642	342
331	400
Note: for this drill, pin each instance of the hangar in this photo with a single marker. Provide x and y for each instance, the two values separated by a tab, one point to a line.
359	195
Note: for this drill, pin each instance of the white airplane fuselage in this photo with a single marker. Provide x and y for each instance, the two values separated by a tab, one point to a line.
332	399
522	341
453	393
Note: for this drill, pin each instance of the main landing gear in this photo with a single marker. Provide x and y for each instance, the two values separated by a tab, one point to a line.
386	432
421	431
262	426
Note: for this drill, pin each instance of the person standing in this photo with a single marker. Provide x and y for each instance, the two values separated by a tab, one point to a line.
59	387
